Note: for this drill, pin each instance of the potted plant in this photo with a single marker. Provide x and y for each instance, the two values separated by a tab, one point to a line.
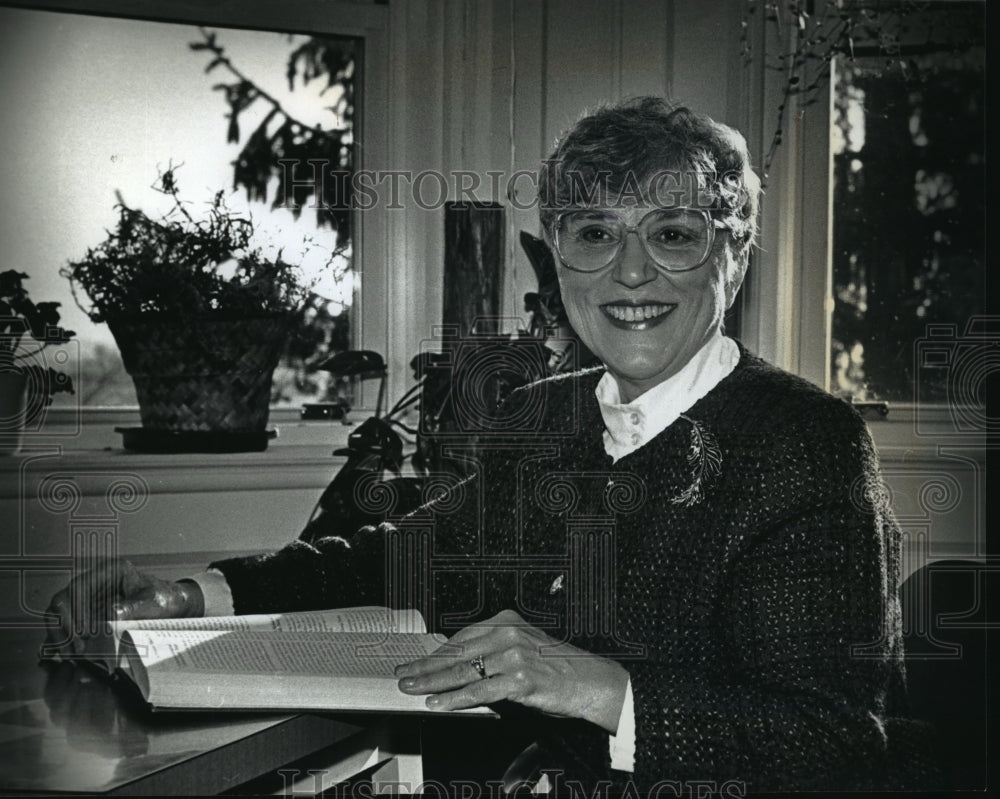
200	315
27	382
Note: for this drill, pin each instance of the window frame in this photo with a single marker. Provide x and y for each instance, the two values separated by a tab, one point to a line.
794	236
366	20
787	298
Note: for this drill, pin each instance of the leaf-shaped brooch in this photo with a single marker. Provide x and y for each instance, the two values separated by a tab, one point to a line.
705	460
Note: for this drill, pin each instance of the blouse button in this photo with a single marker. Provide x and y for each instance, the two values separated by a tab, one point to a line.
635	438
634	418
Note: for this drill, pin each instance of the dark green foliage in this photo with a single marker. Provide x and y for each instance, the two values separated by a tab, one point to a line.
19	314
183	266
26	328
311	164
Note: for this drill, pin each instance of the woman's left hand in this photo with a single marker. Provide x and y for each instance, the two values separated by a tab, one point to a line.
523	665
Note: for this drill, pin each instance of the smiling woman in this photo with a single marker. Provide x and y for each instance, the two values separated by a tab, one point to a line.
99	105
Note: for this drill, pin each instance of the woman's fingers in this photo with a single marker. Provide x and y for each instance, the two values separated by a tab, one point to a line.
475	694
432	675
501	658
484	641
74	612
501	651
462	646
446	658
112	591
495	634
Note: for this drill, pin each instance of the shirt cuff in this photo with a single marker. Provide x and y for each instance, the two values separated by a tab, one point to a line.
216	591
622	745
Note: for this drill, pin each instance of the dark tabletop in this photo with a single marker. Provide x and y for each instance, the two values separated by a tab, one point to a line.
66	727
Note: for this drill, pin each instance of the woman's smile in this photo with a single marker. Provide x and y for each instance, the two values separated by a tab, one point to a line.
636	316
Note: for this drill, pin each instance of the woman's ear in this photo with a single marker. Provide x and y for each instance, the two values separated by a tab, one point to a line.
736	270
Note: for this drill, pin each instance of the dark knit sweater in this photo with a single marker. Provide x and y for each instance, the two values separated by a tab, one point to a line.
754	608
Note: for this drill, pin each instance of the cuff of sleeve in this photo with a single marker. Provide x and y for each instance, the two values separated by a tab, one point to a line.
215	589
622	745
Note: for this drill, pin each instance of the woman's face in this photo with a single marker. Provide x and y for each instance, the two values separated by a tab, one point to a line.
643	322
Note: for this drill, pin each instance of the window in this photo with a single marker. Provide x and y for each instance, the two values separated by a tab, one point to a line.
908	208
99	104
870	117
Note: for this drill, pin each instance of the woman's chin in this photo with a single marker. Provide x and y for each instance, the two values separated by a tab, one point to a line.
642	375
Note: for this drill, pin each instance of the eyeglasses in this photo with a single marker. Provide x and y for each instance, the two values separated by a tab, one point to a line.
677	240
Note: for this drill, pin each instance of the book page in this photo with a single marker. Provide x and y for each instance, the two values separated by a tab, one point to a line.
362	619
286	652
103	651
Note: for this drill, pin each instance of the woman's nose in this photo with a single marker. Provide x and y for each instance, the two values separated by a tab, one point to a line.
633	266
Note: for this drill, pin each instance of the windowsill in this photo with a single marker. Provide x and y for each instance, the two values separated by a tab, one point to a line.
93	428
84	445
912	433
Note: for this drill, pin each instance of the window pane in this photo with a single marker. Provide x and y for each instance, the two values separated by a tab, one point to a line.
908	246
96	106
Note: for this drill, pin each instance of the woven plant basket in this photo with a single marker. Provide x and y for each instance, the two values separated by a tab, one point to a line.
204	373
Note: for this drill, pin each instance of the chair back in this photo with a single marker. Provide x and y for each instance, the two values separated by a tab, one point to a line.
945	632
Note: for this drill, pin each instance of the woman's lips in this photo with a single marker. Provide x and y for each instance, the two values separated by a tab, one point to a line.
636	316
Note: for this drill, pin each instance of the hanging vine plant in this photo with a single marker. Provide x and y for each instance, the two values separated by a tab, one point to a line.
818	31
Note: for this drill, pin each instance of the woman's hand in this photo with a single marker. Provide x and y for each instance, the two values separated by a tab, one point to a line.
114	591
523	665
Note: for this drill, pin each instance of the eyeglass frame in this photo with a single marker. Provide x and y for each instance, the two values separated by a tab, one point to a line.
716	224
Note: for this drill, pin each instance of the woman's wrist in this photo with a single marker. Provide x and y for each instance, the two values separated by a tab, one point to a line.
605	707
193	598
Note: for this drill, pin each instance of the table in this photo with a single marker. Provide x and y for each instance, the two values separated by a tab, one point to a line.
65	728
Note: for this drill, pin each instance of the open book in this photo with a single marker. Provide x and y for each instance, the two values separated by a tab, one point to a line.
321	660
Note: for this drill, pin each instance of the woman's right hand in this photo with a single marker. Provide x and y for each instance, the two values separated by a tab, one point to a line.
114	591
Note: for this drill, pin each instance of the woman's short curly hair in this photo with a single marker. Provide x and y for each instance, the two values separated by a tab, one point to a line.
650	145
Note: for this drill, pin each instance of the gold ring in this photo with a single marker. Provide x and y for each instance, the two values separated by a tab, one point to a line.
479	666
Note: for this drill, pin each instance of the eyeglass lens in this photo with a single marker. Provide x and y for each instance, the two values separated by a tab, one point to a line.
676	240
